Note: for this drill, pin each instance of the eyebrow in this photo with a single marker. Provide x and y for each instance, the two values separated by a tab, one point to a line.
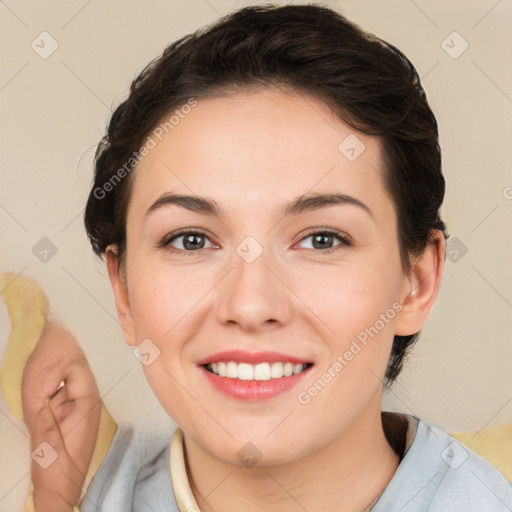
302	204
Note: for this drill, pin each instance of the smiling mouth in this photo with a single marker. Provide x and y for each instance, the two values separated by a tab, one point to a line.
255	372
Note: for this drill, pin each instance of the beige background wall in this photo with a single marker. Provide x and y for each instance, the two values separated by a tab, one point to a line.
54	110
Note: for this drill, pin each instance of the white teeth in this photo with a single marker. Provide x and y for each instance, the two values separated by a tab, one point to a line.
297	369
260	371
232	370
277	370
245	371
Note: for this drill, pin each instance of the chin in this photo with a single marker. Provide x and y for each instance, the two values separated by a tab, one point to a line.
255	448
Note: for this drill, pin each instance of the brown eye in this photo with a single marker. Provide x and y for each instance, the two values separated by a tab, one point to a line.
326	241
186	241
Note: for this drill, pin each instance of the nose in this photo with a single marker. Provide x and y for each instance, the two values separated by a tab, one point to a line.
254	295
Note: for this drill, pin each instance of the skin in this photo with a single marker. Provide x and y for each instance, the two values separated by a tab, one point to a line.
67	419
252	152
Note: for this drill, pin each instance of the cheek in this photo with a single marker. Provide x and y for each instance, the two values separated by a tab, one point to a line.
163	299
348	299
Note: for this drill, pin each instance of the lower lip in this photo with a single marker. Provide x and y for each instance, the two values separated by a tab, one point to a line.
254	390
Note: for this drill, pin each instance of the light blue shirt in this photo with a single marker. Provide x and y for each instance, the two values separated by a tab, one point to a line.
436	474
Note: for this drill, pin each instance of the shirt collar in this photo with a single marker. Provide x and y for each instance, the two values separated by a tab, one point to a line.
399	429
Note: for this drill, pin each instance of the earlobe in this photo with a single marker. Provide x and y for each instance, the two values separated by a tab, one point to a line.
423	285
121	297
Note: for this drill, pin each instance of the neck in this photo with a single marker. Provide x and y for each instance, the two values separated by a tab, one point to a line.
346	475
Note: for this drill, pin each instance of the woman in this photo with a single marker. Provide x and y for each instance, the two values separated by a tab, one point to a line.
267	201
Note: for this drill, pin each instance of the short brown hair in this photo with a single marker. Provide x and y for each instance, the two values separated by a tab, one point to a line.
316	51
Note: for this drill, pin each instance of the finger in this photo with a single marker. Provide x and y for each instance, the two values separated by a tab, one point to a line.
53	471
37	388
62	404
45	429
78	424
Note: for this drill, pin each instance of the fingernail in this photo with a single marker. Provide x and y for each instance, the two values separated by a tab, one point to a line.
61	385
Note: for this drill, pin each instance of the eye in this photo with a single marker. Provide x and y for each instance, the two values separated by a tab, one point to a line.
194	241
191	241
322	241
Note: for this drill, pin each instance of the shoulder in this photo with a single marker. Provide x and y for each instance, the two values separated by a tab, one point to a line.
440	474
134	475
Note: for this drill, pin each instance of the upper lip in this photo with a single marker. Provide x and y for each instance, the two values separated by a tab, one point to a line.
240	356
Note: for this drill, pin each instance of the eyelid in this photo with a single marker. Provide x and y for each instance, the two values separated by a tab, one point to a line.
344	238
166	240
332	231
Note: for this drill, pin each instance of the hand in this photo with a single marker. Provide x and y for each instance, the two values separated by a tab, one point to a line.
61	406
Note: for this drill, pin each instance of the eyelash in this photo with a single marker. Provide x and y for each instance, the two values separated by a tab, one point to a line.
345	241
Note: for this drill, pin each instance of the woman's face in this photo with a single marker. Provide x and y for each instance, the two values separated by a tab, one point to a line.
268	283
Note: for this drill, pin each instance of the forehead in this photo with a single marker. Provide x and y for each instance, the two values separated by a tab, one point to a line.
258	148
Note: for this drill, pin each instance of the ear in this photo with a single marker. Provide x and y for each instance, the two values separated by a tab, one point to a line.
121	297
421	287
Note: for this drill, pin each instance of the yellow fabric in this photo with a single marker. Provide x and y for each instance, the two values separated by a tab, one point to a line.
27	306
494	444
106	432
29	507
